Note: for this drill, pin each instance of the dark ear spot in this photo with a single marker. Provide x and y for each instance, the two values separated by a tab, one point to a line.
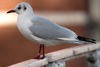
19	7
24	7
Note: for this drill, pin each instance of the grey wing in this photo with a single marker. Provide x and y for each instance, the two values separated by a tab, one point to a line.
46	29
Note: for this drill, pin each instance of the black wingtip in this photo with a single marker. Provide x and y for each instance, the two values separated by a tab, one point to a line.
87	39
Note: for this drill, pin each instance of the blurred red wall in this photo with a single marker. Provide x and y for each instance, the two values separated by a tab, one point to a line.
47	4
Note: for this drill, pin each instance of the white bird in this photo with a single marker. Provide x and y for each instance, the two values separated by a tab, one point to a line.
44	31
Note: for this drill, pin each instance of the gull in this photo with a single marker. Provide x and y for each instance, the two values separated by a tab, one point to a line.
44	31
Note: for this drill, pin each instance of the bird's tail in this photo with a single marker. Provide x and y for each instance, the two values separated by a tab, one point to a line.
86	39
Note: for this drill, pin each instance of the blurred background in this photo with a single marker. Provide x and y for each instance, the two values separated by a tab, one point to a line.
81	16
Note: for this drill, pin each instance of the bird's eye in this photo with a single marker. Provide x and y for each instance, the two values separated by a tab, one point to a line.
19	8
24	8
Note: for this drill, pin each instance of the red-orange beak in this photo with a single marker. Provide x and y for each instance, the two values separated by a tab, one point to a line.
11	11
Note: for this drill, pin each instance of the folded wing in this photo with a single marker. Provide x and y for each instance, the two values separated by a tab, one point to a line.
46	29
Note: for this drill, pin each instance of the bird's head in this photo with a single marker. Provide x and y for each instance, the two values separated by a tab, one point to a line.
22	8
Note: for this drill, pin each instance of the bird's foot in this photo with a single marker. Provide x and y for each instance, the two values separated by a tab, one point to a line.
39	57
42	57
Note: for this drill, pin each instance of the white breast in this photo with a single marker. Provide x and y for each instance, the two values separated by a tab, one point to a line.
23	24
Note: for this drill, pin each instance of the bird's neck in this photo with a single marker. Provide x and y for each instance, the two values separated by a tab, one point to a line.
29	13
